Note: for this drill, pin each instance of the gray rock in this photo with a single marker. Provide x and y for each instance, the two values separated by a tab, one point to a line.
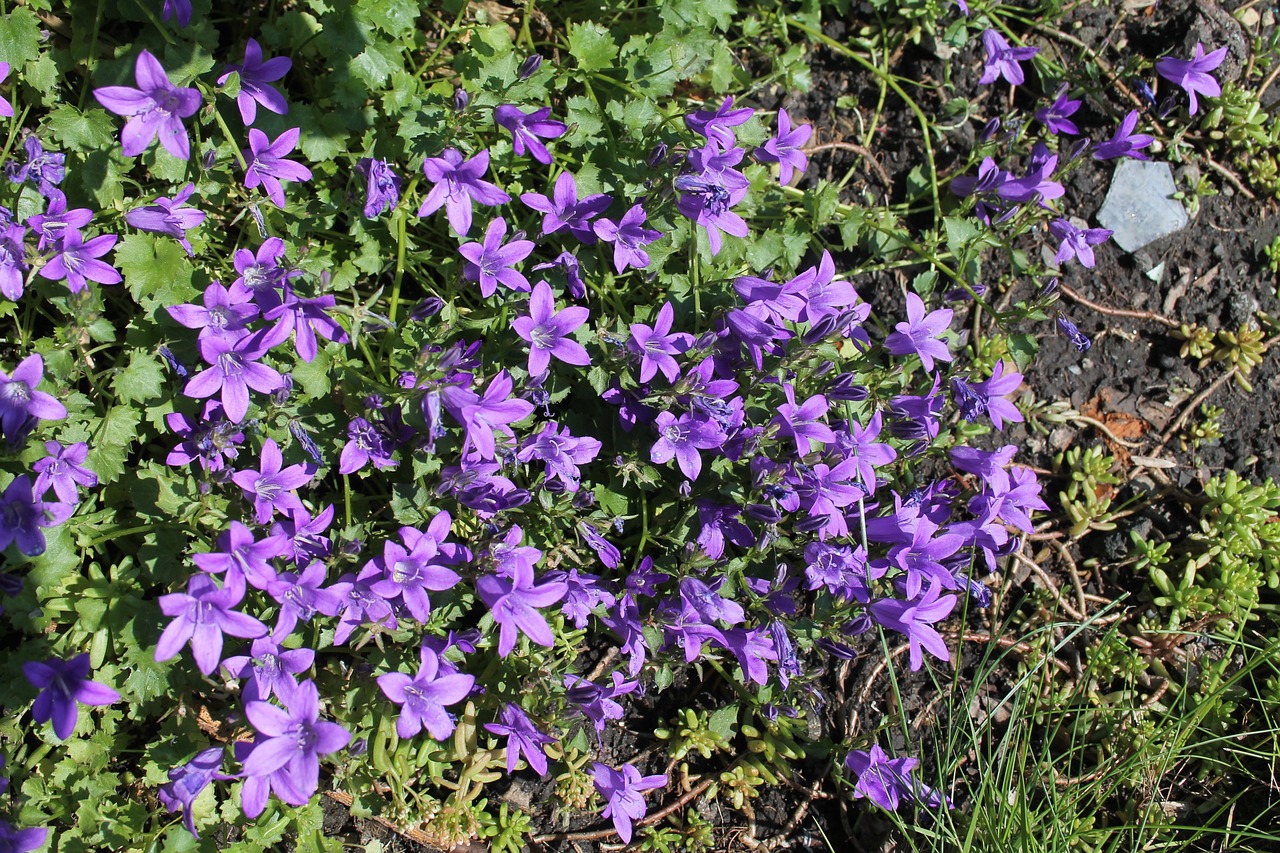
1140	207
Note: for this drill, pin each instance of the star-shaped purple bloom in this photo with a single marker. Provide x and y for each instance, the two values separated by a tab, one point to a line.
514	600
715	124
657	344
628	236
270	487
1057	116
21	404
785	148
57	220
77	261
458	183
622	792
254	77
240	553
1124	142
915	619
883	780
295	738
481	416
523	738
1193	74
62	685
265	163
681	438
490	262
22	516
168	216
234	369
920	333
423	698
564	210
202	615
802	423
155	108
382	192
547	331
529	129
186	781
62	470
1002	60
1076	242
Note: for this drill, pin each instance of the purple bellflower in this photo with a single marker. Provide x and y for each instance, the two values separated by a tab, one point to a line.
523	738
62	470
491	262
180	10
414	568
43	169
883	780
457	184
1124	142
265	163
22	840
786	148
629	237
681	438
254	77
168	216
202	615
225	313
801	422
657	344
13	261
714	125
63	685
365	444
561	452
622	793
423	698
6	108
482	416
920	333
1057	116
1002	60
1193	74
915	619
295	738
1078	339
513	601
529	129
234	369
187	781
564	210
383	186
269	669
270	488
155	108
547	331
239	553
1076	242
21	405
301	596
77	261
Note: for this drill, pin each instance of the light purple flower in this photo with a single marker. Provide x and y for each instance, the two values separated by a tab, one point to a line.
63	685
1193	74
547	331
564	210
1057	116
240	553
224	313
186	781
1076	242
6	108
63	469
883	780
21	405
490	262
920	333
915	619
1124	142
57	220
715	124
424	697
77	261
785	148
295	738
382	191
234	369
43	169
622	792
681	438
481	416
13	261
305	317
169	216
629	237
155	108
523	738
202	615
1002	60
254	77
657	344
458	183
802	422
270	487
416	567
265	163
514	600
529	129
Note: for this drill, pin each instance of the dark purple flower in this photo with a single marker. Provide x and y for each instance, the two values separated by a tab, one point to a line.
63	469
202	615
168	216
1076	242
883	780
383	186
13	261
254	77
181	10
1078	339
802	423
564	210
714	125
424	697
920	333
365	444
270	488
785	148
1193	74
62	685
457	184
915	619
21	405
529	129
156	107
491	262
234	369
416	567
263	273
514	601
657	344
597	703
547	331
301	597
628	236
186	781
1124	143
295	738
1057	116
572	276
43	169
76	261
530	66
561	452
622	792
265	163
523	738
1002	60
22	516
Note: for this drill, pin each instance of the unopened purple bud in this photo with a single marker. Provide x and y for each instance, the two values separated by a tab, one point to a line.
959	294
859	624
1077	149
657	154
428	307
407	380
210	157
686	489
821	330
836	650
767	275
989	130
1050	287
764	512
174	365
1014	543
706	340
519	235
359	746
280	396
1078	339
1144	90
825	368
307	444
844	390
352	548
530	66
460	100
1167	106
555	487
584	499
813	523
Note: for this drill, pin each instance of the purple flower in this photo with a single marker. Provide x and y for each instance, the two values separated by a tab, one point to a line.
270	488
523	738
920	333
490	262
306	317
513	602
529	129
21	405
415	568
1124	143
263	273
187	781
365	444
56	220
561	452
481	416
6	108
1076	242
1057	116
383	190
77	261
572	273
295	738
1002	60
547	331
234	369
211	439
360	604
622	792
1078	339
988	396
168	216
21	840
628	236
301	597
457	184
269	669
802	422
43	168
13	261
915	619
62	685
564	210
265	163
785	148
1193	74
656	345
202	615
239	553
180	9
752	648
62	469
156	107
714	125
423	698
681	438
254	77
881	779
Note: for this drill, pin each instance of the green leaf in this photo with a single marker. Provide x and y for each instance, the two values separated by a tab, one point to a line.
394	17
142	380
592	46
725	722
960	233
376	64
84	131
111	444
155	268
19	37
313	378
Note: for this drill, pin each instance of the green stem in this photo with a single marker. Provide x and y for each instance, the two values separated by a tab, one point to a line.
235	147
448	37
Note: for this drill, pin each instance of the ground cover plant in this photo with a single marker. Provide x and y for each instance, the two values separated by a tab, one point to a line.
490	425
